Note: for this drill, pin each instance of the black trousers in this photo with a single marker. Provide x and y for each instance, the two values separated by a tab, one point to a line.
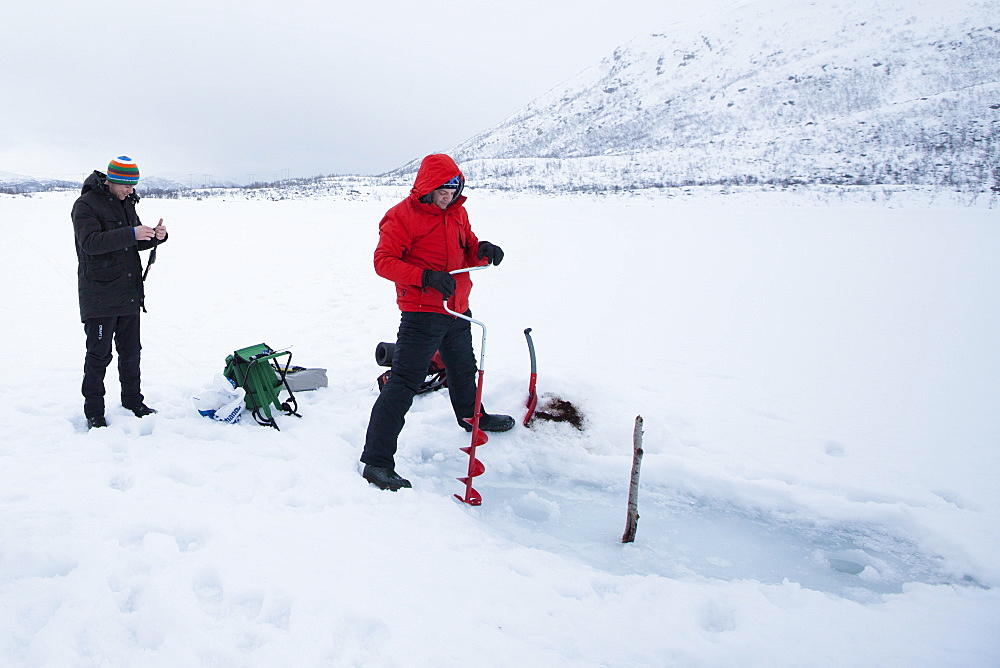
100	332
420	335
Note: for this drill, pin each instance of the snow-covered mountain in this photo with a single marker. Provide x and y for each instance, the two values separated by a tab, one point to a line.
161	183
11	183
775	91
843	92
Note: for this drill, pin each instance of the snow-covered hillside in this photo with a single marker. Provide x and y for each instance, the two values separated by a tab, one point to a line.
11	183
776	91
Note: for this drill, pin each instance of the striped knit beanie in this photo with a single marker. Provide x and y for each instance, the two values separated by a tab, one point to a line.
123	170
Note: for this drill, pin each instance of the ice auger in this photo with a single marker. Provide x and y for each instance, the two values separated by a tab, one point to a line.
479	437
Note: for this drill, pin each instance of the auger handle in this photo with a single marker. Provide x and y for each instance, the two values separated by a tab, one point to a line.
482	347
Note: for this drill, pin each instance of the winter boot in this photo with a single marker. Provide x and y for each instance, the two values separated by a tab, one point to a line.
142	410
95	422
491	422
384	478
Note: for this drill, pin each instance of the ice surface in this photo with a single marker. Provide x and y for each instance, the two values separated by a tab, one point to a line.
818	381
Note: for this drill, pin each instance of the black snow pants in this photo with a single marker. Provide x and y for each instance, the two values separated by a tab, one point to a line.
100	332
420	336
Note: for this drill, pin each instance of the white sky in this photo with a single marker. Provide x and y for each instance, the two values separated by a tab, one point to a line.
291	88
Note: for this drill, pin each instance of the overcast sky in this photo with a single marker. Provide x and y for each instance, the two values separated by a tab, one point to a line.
291	88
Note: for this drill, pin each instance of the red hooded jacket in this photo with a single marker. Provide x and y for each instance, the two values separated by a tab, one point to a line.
414	236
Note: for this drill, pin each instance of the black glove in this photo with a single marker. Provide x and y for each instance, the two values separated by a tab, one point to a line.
441	281
491	252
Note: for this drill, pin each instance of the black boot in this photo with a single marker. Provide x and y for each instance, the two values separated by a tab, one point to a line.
142	410
384	478
98	421
491	422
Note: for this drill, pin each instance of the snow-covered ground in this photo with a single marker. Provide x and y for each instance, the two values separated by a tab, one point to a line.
818	381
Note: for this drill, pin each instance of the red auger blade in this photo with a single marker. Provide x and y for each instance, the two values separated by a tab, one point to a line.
472	498
479	436
476	467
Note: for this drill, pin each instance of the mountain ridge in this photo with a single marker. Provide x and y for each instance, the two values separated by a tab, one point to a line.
771	92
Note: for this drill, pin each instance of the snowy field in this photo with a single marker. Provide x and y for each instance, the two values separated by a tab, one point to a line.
819	383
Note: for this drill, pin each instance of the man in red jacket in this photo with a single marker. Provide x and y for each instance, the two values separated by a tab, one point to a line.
421	240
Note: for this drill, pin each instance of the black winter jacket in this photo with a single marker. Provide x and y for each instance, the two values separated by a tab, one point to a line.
109	271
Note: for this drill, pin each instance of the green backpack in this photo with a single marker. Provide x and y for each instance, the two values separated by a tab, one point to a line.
257	371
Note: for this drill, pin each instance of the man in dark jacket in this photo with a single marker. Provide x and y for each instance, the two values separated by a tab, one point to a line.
421	240
109	236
